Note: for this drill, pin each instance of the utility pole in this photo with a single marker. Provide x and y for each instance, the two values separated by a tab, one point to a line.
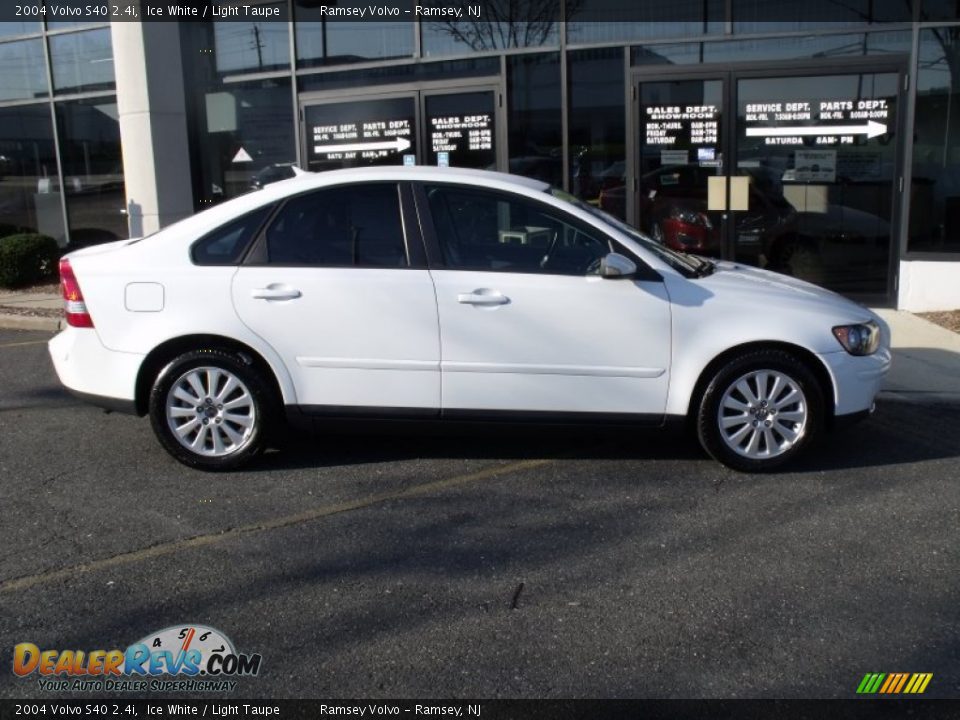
258	45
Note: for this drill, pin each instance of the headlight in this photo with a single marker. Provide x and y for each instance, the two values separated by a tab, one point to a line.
691	217
862	339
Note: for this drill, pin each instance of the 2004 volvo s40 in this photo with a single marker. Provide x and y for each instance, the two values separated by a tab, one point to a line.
446	294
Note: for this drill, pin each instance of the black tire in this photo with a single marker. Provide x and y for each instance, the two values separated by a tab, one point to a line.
708	420
261	401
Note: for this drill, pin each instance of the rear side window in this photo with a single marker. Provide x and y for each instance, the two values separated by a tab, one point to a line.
350	226
226	244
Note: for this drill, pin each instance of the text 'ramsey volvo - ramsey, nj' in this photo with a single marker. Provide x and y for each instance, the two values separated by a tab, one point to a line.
446	294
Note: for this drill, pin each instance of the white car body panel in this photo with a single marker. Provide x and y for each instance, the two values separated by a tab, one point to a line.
739	305
85	366
400	338
559	343
383	351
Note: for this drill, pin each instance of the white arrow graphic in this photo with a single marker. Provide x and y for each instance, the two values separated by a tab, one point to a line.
871	129
399	144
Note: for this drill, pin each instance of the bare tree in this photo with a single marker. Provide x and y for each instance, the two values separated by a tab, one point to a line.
506	24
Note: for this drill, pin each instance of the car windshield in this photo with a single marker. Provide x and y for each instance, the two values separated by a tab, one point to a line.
684	263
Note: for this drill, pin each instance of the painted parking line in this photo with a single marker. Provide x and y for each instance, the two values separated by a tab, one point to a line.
26	342
198	541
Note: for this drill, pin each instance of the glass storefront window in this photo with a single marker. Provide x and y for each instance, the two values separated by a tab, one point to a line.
939	10
253	46
245	138
597	127
89	133
525	23
935	190
392	74
599	21
680	54
762	16
331	41
533	102
23	72
808	46
23	27
29	185
82	61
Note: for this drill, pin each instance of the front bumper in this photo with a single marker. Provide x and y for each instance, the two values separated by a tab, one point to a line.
856	379
89	370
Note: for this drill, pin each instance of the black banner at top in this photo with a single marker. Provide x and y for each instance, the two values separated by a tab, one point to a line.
695	16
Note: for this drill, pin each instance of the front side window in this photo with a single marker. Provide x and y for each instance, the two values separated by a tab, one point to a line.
483	230
351	226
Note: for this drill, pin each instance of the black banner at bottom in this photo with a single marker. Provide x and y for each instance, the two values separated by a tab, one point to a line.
488	709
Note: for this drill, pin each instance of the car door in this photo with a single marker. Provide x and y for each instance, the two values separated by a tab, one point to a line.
339	289
526	322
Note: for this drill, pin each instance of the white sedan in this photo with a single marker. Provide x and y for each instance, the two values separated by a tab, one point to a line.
441	294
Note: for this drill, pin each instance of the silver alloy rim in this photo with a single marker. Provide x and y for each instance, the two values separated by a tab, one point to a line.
763	414
211	412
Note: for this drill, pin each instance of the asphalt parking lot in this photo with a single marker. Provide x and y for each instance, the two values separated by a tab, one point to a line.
495	565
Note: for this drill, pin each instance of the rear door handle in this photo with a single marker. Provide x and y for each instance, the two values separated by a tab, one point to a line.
483	296
275	291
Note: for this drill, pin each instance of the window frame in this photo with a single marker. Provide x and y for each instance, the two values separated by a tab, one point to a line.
258	254
435	252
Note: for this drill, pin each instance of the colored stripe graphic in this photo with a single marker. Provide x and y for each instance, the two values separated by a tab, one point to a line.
894	683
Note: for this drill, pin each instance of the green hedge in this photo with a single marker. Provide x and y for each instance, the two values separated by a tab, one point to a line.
27	259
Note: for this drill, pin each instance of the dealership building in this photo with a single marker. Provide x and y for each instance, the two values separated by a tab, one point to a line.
818	139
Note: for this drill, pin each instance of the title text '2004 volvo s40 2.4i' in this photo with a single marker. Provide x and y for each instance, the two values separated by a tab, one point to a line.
447	294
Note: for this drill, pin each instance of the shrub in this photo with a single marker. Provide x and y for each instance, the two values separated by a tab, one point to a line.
27	259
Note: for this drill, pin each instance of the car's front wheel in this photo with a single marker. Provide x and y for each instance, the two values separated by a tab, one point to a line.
208	408
759	410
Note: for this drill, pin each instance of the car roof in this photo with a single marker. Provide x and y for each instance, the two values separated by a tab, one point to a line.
413	173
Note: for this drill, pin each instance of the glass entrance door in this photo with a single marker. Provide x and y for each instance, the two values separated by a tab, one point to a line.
415	127
460	129
820	155
811	188
356	133
680	164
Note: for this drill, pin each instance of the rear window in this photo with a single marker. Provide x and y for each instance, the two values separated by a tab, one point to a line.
226	244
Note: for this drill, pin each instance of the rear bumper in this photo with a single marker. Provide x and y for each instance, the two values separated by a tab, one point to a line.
856	380
92	372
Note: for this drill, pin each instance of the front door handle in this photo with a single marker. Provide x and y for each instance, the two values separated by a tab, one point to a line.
275	291
483	296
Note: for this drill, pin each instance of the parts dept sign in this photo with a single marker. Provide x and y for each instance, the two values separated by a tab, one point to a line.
823	122
362	140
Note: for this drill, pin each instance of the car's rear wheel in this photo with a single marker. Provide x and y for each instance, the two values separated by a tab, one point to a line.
209	409
760	410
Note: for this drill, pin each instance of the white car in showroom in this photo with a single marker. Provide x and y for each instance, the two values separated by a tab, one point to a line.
441	294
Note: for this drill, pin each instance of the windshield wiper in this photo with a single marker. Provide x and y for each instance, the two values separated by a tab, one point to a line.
706	267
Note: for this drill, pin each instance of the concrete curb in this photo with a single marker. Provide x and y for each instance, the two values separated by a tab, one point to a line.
29	322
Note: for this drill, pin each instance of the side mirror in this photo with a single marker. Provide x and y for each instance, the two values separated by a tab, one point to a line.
615	265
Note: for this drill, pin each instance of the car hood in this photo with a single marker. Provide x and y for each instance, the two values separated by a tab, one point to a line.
763	288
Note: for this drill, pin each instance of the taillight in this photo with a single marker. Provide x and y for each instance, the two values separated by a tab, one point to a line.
74	307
